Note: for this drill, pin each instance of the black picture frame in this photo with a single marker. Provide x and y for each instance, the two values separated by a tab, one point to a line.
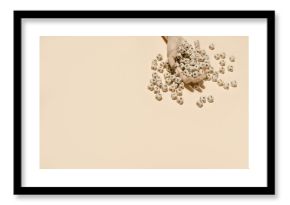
268	190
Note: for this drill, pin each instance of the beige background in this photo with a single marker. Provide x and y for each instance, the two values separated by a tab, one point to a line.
96	112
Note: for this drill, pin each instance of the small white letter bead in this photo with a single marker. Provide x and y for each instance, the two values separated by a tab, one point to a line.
150	87
222	63
216	73
154	67
186	73
220	82
168	81
166	75
179	92
223	55
232	59
154	62
158	96
175	85
173	96
222	70
159	57
210	69
172	88
234	84
181	85
210	99
217	56
211	46
172	77
159	83
196	67
154	75
214	78
164	88
208	76
226	86
199	104
179	100
166	65
156	89
206	65
160	70
195	74
230	68
153	81
177	80
203	99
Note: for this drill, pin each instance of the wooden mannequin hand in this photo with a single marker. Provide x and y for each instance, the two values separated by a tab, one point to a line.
172	46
